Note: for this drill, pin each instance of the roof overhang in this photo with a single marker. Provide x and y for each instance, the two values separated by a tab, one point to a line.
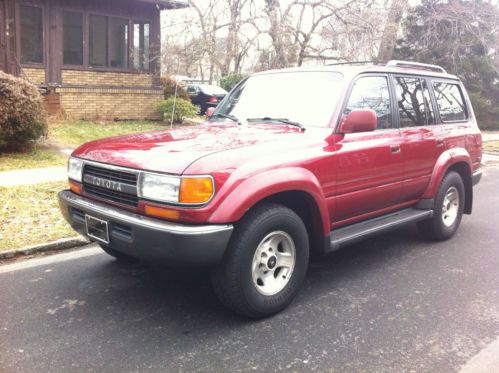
167	4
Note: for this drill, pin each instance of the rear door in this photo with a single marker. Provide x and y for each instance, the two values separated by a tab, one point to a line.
369	164
422	141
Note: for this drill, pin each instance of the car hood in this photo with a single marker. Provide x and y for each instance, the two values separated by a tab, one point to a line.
173	151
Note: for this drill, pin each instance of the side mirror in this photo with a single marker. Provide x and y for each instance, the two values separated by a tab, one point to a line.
362	120
209	112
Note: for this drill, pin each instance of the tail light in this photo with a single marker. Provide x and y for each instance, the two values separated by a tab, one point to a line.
213	100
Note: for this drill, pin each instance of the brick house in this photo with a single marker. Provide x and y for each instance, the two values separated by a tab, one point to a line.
93	58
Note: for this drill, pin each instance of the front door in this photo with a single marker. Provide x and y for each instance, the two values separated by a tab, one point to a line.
3	38
369	165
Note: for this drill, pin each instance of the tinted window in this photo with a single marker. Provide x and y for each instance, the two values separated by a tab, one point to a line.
450	101
31	19
371	92
414	102
98	41
72	38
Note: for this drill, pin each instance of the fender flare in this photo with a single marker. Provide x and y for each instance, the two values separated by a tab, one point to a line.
262	185
445	161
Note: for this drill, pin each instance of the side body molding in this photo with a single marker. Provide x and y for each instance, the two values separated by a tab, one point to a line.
260	186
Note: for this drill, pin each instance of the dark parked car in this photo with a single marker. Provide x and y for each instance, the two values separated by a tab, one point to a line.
274	176
205	95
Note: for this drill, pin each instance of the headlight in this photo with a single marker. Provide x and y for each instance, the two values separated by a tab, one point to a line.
75	168
178	190
158	187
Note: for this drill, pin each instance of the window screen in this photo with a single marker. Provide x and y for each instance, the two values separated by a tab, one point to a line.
450	101
118	31
72	38
97	41
31	25
141	57
371	92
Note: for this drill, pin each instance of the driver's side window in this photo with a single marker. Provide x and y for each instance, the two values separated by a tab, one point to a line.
371	92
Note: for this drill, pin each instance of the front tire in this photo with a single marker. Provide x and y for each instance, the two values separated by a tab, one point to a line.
448	210
265	263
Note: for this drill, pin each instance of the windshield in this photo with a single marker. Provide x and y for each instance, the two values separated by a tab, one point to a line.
212	89
307	97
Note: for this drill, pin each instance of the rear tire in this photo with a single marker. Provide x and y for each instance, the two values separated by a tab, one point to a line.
265	263
448	210
118	255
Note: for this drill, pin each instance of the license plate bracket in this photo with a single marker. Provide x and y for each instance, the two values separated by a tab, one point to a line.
97	229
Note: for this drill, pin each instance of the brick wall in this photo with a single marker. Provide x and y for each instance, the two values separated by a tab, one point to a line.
98	103
34	75
98	78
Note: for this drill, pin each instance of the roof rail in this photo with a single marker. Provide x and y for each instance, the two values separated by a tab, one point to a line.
416	65
355	63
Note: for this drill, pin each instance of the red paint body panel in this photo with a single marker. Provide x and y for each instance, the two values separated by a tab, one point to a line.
350	177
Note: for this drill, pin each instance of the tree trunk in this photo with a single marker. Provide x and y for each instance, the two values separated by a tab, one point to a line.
389	38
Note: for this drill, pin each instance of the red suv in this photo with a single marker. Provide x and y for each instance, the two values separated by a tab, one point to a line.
291	162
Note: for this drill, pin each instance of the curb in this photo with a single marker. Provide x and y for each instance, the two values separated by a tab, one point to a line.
62	244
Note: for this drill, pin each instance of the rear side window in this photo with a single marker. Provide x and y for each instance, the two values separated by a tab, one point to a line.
450	101
414	103
371	92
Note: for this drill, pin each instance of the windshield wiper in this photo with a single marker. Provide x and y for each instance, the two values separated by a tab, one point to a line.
228	116
281	120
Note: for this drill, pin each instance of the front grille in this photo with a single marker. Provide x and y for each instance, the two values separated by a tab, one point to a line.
119	176
128	180
126	199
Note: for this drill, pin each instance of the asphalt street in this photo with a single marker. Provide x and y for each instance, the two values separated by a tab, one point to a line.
394	303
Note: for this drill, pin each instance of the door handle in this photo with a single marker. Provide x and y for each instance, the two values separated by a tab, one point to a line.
440	143
395	149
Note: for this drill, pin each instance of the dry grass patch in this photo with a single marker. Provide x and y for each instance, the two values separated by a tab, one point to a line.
30	215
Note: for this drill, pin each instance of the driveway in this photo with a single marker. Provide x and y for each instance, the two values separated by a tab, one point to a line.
393	303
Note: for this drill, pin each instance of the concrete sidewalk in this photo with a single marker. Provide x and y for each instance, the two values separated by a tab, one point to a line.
32	176
490	137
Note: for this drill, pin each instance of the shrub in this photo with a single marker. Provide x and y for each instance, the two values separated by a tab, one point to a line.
183	109
22	116
169	88
229	81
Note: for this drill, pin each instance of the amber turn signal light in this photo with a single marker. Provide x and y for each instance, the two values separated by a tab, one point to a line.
196	189
75	188
160	212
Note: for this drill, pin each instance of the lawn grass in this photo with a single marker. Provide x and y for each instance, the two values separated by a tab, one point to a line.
491	146
34	158
30	215
76	133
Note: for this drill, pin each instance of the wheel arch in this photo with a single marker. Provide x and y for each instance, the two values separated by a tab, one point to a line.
295	188
458	160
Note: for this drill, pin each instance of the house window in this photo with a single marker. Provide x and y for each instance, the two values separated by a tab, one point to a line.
72	38
98	41
141	41
118	36
31	27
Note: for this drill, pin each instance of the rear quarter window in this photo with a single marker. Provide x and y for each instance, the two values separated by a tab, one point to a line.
450	101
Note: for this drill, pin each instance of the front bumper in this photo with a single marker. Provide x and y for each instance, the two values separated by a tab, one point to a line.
148	238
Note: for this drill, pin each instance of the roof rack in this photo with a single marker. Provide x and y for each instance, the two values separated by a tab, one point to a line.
416	65
356	63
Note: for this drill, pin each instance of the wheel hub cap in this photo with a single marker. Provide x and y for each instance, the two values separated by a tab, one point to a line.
450	206
273	263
